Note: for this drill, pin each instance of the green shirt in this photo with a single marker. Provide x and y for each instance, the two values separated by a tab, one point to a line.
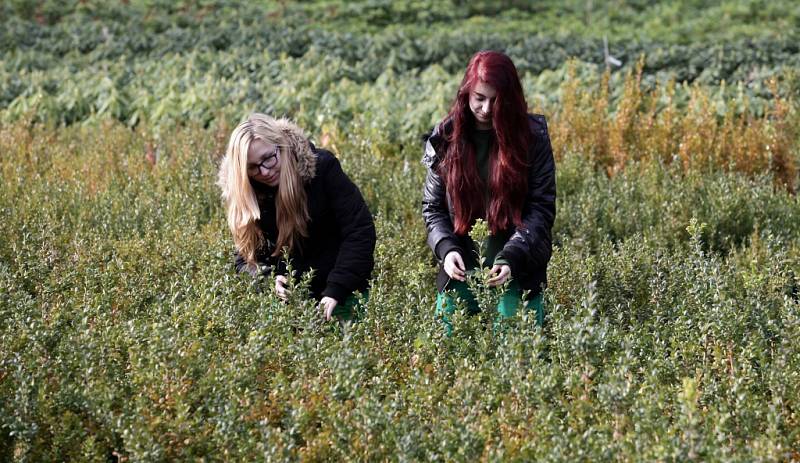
482	140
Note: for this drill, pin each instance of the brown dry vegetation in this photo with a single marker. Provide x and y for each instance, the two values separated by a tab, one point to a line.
648	125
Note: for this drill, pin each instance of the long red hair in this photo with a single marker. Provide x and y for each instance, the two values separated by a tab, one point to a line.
508	179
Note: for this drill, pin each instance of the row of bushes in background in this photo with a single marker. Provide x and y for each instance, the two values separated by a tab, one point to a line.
97	44
124	334
213	60
97	41
611	118
673	22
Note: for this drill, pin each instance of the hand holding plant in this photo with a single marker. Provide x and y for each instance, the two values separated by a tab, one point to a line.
326	305
488	284
502	274
454	266
280	287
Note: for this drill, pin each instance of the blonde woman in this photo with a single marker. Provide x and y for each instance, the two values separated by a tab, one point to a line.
281	192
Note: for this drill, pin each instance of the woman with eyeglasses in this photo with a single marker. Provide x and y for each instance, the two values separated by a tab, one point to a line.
492	160
281	192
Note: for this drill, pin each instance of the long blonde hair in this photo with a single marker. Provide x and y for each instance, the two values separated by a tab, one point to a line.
240	199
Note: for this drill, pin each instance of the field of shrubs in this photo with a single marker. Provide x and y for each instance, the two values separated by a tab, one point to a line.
673	308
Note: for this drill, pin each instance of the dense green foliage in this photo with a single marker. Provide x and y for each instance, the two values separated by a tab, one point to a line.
190	61
673	310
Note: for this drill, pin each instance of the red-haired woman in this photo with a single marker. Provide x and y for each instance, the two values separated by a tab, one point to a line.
490	159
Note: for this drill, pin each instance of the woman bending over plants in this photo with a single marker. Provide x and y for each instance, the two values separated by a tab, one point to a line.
285	195
489	159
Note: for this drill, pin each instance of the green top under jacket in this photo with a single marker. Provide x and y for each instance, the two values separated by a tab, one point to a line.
482	140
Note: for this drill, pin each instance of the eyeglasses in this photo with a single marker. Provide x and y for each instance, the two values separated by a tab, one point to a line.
267	163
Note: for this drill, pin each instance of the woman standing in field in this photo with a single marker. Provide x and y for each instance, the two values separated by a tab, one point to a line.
281	192
492	160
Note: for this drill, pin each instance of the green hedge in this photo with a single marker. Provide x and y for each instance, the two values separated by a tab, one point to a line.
168	64
96	57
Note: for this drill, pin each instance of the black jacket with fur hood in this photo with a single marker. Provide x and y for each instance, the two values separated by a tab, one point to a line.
529	247
341	234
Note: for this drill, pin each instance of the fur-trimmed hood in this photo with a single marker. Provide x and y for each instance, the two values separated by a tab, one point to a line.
298	144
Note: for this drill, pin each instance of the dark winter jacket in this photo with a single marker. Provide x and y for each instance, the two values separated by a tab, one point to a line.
529	247
341	233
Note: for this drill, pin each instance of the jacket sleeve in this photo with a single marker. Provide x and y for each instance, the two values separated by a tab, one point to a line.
355	260
530	247
435	211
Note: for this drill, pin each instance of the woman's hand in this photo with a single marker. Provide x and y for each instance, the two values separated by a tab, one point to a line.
501	274
454	266
280	287
327	304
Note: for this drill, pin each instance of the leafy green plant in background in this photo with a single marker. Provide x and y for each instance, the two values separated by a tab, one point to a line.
76	61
